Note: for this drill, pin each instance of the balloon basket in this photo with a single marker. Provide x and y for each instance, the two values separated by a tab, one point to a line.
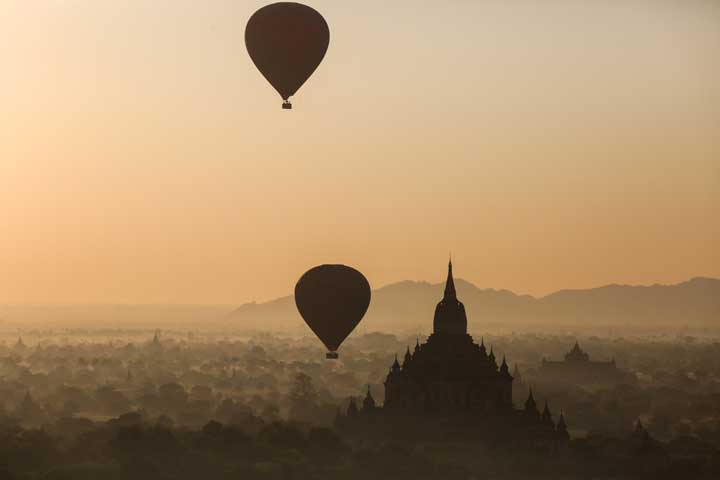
287	105
332	355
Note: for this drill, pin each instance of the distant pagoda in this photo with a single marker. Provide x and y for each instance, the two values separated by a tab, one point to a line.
20	346
577	368
155	345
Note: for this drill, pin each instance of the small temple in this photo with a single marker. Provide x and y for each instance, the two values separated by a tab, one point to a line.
19	346
577	368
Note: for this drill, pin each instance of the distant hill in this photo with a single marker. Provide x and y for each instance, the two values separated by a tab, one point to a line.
409	306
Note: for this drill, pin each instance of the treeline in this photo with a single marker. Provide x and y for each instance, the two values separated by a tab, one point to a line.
131	447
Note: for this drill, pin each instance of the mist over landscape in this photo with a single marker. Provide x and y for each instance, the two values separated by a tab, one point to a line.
249	403
388	240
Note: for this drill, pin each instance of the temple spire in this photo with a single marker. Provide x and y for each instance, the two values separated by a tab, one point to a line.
396	365
505	370
530	405
450	317
369	402
561	428
408	357
450	284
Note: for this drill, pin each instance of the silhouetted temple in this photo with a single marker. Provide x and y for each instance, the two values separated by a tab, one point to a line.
453	386
577	368
155	346
450	371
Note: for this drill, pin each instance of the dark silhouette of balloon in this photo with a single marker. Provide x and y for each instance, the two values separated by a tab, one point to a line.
287	41
332	299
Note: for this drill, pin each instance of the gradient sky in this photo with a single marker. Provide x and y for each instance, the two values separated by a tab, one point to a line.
548	145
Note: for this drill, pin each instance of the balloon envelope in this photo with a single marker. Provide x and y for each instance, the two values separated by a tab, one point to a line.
287	41
332	299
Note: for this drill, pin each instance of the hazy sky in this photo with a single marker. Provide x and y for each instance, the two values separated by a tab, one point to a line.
548	145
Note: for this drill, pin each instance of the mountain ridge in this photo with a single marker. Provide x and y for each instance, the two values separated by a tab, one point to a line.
409	305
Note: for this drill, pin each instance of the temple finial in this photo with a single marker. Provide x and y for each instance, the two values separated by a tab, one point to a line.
450	283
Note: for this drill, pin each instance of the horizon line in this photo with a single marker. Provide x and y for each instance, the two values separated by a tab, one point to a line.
261	302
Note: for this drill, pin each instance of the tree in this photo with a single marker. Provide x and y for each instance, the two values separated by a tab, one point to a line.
303	397
111	401
173	396
323	442
280	435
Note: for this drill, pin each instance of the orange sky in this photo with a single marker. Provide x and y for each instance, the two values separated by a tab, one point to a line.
548	145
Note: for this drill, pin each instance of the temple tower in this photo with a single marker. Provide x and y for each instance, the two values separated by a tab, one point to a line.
450	317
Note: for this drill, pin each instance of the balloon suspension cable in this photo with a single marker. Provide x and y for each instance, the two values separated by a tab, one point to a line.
332	355
287	105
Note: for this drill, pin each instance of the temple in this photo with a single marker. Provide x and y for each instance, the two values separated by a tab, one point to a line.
452	384
449	372
577	368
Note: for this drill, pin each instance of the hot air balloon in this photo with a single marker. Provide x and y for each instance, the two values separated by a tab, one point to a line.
332	299
287	41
